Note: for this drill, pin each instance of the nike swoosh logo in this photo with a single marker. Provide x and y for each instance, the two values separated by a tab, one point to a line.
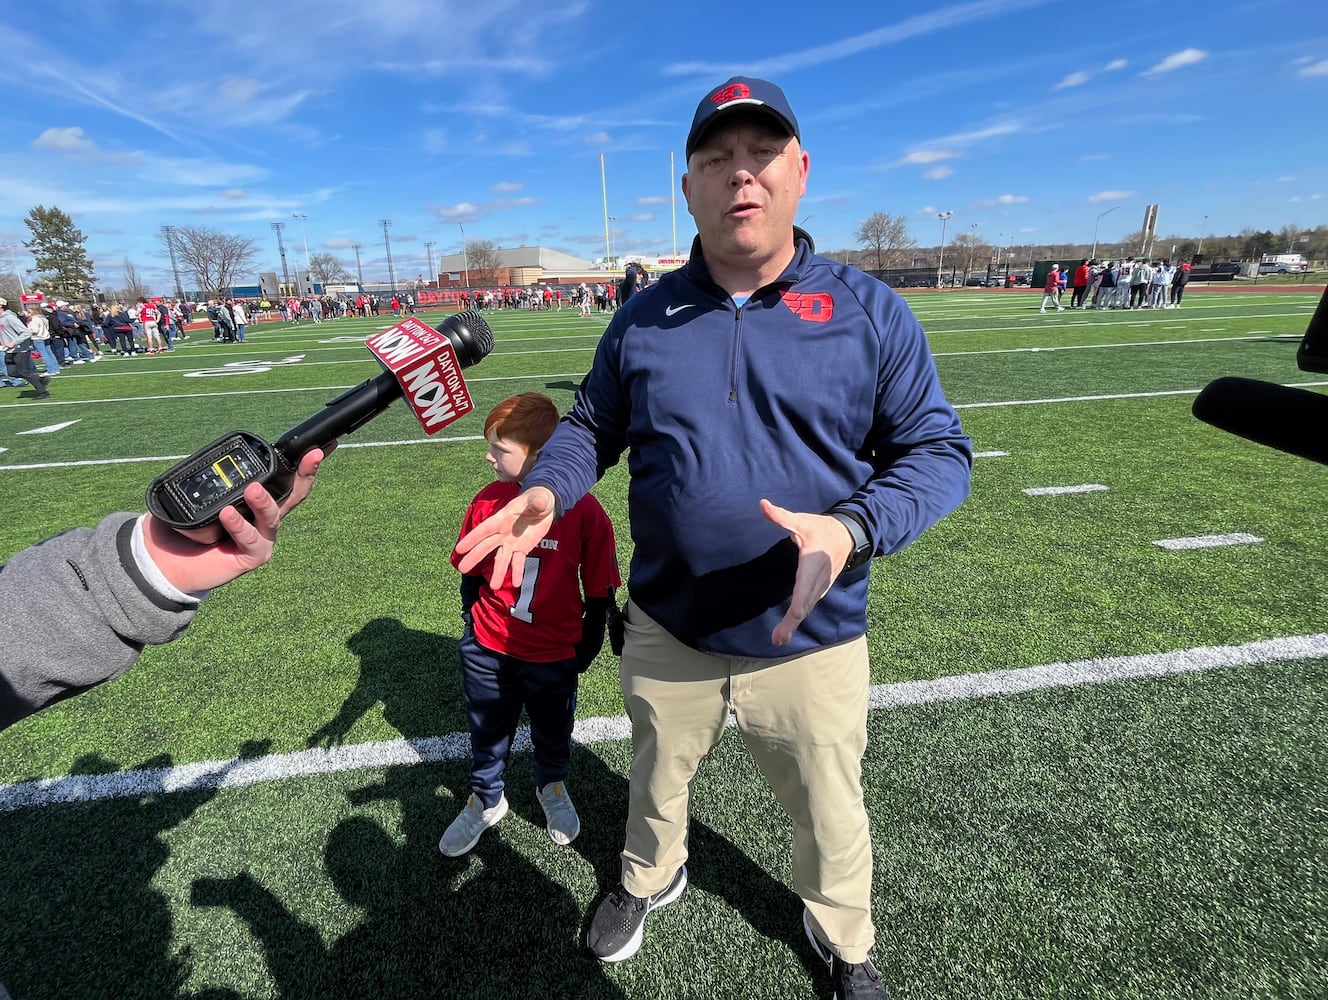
672	310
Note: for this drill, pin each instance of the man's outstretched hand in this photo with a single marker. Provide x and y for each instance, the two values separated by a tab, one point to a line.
824	546
509	534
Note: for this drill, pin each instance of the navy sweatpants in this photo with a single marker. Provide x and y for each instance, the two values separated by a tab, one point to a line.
497	688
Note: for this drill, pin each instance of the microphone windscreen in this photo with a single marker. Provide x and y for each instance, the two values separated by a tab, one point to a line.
1290	420
1313	353
470	335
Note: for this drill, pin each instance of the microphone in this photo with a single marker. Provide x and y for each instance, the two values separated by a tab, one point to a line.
423	364
1313	353
1290	420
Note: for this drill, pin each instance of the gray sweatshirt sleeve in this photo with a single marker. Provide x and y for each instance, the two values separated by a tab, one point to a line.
88	582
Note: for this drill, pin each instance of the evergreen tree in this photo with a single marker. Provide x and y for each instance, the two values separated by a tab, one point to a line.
59	250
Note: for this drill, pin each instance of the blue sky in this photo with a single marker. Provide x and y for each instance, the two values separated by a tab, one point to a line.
1024	118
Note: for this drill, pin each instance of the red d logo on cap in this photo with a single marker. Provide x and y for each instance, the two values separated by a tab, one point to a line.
736	92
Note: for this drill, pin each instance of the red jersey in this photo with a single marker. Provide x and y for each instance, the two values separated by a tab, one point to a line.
541	622
147	313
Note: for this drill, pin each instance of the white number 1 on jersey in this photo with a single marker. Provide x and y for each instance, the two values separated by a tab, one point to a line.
524	600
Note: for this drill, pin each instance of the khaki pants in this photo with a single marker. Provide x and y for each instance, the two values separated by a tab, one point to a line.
804	721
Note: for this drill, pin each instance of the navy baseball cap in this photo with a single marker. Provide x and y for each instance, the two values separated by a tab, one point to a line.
741	93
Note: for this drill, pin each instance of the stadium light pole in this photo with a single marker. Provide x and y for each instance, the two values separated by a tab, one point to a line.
387	245
465	257
1101	215
359	271
279	228
169	233
940	263
428	245
13	259
305	239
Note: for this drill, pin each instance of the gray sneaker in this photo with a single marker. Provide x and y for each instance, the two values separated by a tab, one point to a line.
619	925
847	979
559	813
465	831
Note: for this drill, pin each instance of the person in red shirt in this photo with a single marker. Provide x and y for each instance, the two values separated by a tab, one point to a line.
1051	291
147	315
526	647
1082	274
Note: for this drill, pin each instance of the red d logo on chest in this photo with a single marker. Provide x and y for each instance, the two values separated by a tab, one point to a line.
814	307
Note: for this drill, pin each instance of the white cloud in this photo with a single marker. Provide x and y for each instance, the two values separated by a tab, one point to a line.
934	21
1285	178
642	217
654	199
929	156
507	187
1073	80
1111	196
1004	199
989	132
1319	68
435	141
467	211
599	139
461	212
70	141
339	243
238	91
1114	65
234	194
938	173
1185	57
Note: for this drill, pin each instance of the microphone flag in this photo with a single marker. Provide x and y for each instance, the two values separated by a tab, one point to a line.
426	366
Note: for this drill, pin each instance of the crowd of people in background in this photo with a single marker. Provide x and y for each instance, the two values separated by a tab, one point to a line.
1129	284
56	334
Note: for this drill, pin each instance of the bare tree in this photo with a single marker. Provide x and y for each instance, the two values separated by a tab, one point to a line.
969	246
134	289
214	258
327	269
884	236
10	288
484	261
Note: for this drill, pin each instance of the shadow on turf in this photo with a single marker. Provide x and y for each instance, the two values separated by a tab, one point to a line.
494	923
79	914
415	674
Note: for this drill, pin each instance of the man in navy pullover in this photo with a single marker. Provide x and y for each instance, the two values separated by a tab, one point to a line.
783	423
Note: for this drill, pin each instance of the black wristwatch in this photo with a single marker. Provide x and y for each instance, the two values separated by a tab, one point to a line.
863	548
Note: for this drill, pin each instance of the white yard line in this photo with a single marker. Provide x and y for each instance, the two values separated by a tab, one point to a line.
1208	541
453	440
49	428
237	773
1055	491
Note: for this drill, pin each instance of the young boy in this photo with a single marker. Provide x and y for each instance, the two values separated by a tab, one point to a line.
526	648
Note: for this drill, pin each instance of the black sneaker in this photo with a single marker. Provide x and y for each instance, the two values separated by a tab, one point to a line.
847	979
619	924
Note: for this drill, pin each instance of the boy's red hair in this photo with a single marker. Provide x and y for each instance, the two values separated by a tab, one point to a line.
528	418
